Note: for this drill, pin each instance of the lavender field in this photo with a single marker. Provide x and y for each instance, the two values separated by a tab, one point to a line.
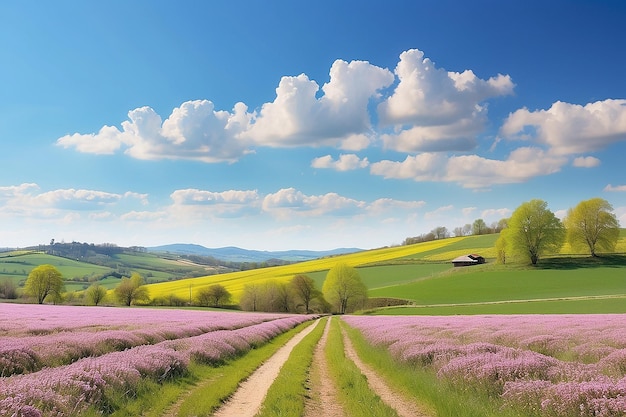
543	365
63	360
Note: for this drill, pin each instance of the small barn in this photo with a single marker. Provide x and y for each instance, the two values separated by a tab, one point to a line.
468	260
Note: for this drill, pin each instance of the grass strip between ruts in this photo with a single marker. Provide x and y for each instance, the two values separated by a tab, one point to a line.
352	388
286	397
205	388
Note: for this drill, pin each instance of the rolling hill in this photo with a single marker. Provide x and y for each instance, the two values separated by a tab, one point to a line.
235	254
423	275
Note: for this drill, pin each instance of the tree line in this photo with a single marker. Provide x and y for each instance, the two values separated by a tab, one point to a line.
533	230
343	291
478	227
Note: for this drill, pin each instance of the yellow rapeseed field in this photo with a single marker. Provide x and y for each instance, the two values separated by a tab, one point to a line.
236	281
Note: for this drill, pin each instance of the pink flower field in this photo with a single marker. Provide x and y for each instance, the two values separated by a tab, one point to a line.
547	365
60	360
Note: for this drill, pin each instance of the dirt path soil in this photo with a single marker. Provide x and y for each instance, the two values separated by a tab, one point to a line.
248	398
403	406
322	399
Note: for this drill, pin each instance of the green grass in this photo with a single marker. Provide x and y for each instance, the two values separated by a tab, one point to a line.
490	283
575	306
352	388
20	264
424	385
286	396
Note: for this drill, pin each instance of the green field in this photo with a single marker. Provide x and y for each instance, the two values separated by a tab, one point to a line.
421	274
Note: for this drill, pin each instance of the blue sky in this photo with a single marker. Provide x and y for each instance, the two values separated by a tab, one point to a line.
291	125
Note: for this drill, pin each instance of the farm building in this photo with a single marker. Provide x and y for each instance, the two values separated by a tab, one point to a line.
468	260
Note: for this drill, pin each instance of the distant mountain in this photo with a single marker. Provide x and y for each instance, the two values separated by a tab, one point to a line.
235	254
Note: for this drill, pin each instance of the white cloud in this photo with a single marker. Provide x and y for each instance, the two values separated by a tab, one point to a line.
298	118
586	162
438	110
193	131
422	167
438	213
143	216
618	188
106	142
459	136
472	171
194	196
194	203
27	200
496	214
570	128
346	162
289	201
467	211
389	204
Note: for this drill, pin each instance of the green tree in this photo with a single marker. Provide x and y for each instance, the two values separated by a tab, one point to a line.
42	281
592	226
215	295
501	247
344	289
96	293
479	227
131	290
303	289
534	230
251	297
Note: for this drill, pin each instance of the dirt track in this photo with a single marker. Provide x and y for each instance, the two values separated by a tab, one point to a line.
322	399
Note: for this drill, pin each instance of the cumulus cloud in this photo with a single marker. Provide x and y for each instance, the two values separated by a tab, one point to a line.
290	200
437	213
389	204
422	167
570	128
442	109
457	136
346	162
195	131
586	162
472	171
27	200
143	216
616	188
196	203
194	196
500	213
468	211
297	117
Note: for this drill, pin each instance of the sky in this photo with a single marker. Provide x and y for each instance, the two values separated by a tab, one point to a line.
277	125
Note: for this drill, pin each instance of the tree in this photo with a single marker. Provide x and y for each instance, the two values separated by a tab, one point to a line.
96	293
303	290
276	297
42	281
343	288
131	290
479	227
251	297
591	225
534	230
8	289
440	232
214	295
501	247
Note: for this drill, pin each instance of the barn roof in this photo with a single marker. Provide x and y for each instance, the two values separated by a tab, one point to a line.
473	258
